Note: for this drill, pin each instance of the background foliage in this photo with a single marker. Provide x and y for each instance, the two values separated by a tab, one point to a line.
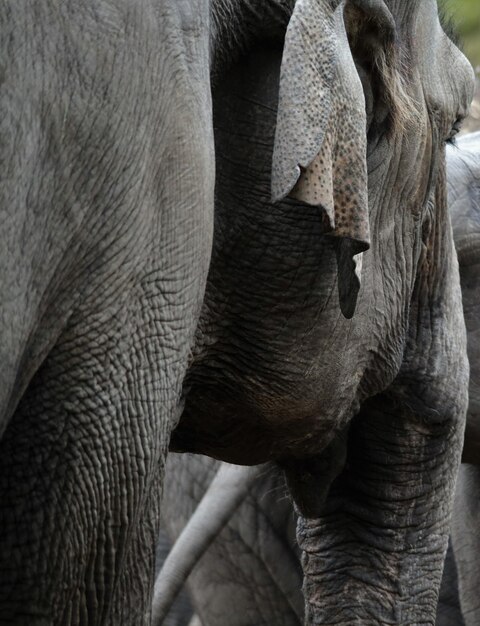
466	16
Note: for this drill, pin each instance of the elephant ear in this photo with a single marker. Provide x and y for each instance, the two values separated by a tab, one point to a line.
320	142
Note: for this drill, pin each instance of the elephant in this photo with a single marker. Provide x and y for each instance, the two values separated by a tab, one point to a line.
344	366
230	216
107	195
464	171
464	199
251	573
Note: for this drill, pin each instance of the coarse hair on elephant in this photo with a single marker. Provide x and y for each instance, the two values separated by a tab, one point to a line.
133	131
250	574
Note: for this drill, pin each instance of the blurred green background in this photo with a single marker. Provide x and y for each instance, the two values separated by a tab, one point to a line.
466	16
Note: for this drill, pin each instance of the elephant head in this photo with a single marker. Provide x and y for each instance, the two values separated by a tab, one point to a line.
354	107
277	370
320	158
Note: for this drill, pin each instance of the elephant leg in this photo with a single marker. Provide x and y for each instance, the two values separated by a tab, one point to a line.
82	459
376	554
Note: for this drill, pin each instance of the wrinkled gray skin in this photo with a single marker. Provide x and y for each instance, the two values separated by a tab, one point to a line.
278	373
251	573
464	187
106	195
106	201
464	201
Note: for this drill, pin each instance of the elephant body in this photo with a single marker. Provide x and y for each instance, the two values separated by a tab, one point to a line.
128	131
107	213
277	372
251	573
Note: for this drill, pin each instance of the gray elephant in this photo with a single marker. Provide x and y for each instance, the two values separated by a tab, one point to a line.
115	116
107	211
277	374
251	573
464	200
464	178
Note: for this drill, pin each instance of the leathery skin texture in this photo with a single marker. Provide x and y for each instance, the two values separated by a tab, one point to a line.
260	531
107	203
277	373
109	105
464	193
251	573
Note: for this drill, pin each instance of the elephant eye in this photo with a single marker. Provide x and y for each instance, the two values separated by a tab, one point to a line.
455	130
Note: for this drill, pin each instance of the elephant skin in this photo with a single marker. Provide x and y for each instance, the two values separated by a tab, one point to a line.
278	370
464	188
129	130
250	574
106	201
464	200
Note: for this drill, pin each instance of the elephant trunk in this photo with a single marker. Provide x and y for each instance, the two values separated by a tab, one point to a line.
226	492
